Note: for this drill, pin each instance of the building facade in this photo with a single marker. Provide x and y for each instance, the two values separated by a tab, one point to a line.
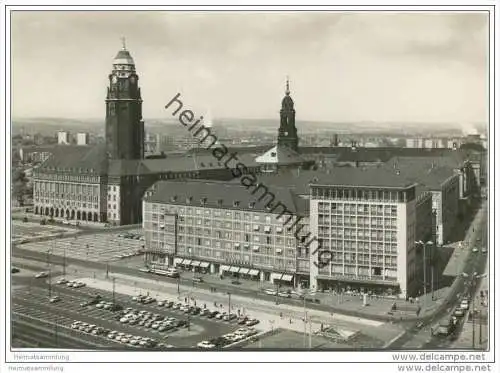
220	228
369	232
64	187
82	138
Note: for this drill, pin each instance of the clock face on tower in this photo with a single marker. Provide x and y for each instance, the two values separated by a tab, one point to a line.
286	133
114	79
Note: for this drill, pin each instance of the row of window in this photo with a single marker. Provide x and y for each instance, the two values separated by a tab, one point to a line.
66	203
66	188
76	197
355	194
268	240
67	178
360	271
360	234
358	245
327	219
186	212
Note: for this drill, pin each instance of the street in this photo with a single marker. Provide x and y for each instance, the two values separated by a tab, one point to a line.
475	263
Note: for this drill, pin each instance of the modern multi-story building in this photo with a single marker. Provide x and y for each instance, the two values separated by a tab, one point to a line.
225	228
449	183
367	223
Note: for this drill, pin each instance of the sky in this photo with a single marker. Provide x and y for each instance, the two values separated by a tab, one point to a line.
385	67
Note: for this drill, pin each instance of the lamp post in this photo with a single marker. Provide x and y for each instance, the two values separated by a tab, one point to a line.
474	278
304	293
48	267
114	291
277	291
229	303
424	265
64	261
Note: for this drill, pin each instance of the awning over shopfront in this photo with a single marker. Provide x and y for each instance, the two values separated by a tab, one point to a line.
276	276
181	261
195	263
224	268
234	269
287	278
204	264
187	262
254	272
244	271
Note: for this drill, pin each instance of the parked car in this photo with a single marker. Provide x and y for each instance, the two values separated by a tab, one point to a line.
252	322
459	312
212	314
62	281
204	312
42	275
205	344
229	317
55	299
15	270
198	279
284	294
242	320
464	304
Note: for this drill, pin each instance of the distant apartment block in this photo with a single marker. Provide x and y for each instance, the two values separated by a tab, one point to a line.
63	138
82	138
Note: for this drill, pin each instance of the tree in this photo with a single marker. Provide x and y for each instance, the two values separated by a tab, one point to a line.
19	183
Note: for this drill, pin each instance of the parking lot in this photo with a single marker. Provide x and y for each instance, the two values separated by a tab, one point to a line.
165	325
102	247
29	230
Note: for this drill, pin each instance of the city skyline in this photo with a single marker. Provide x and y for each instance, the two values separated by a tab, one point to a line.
404	63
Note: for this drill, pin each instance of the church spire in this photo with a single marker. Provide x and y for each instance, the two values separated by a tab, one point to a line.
124	45
287	90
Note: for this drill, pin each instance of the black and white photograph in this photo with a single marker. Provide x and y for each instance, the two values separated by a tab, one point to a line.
249	184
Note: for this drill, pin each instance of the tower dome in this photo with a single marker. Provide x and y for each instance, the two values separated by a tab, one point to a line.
287	101
123	58
123	64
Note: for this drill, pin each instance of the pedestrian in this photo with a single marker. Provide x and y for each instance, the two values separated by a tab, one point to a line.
215	304
195	303
204	305
185	300
290	321
281	315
